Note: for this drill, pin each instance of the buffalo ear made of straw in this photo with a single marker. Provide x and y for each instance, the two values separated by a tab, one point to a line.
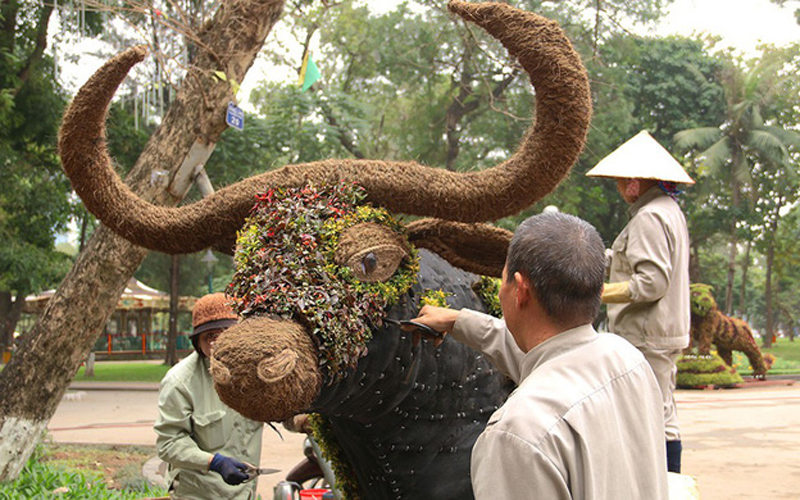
477	248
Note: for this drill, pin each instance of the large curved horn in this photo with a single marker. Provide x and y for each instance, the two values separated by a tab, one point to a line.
563	110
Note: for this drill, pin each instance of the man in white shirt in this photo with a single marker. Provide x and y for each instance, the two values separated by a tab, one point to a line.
586	420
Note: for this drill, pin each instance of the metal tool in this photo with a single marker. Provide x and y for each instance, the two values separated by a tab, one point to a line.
252	471
425	330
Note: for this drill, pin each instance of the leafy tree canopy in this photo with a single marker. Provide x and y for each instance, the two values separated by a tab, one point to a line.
35	200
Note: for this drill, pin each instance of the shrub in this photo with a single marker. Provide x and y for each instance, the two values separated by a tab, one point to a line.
40	479
695	370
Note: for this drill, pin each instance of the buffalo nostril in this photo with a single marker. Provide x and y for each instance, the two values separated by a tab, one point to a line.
277	367
220	372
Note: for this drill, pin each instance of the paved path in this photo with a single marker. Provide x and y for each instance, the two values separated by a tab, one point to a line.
739	443
742	443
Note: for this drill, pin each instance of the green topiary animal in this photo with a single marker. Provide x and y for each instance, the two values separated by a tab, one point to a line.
710	326
702	299
697	371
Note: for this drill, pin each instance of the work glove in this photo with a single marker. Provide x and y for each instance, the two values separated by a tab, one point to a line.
616	293
232	471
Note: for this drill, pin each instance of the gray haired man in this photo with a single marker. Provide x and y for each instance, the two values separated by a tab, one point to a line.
586	418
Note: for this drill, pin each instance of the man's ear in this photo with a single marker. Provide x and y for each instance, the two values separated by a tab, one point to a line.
523	290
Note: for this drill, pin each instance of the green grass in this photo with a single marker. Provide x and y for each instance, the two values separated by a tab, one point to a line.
784	349
787	358
124	372
121	372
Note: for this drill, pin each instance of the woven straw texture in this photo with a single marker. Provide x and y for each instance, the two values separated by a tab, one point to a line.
477	248
266	369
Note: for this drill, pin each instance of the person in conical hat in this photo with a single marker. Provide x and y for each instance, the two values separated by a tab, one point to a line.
648	289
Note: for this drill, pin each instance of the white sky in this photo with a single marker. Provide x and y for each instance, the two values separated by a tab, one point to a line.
743	24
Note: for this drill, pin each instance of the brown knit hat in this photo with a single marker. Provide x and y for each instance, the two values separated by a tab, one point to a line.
212	312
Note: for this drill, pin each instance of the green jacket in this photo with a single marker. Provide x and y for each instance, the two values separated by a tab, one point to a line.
193	424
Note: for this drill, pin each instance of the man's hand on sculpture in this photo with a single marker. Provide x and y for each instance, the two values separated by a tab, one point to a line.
616	293
441	319
232	471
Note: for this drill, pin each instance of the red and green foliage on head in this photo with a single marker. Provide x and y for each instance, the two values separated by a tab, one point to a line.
321	257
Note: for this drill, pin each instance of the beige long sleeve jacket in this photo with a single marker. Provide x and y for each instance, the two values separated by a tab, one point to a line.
586	421
652	255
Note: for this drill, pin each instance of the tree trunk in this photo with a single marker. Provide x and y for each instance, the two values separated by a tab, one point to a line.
694	263
467	101
5	315
84	228
743	286
736	197
10	312
789	322
171	358
32	384
733	251
766	340
41	43
89	372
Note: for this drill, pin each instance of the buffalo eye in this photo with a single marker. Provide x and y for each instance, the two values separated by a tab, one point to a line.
377	263
372	251
369	264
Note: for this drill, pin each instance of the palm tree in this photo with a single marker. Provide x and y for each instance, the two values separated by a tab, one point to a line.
727	151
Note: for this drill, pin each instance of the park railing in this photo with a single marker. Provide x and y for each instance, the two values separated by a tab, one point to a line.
146	343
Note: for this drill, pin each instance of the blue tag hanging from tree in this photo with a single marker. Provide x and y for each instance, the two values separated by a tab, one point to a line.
235	117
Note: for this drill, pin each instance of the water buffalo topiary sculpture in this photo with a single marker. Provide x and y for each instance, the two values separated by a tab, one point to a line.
322	263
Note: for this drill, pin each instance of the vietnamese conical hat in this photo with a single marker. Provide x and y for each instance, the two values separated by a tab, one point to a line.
641	157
